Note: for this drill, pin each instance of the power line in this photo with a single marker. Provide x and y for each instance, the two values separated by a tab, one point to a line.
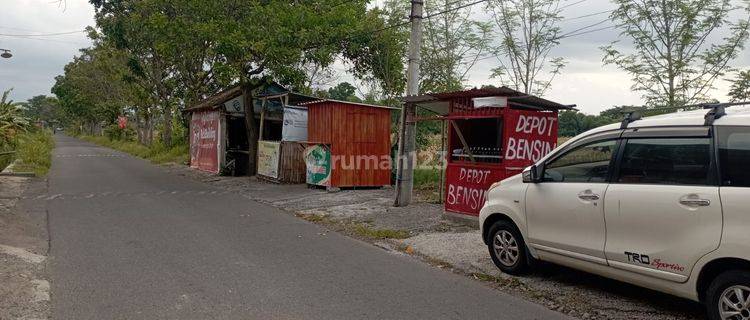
588	15
572	4
407	22
47	40
42	34
565	35
573	33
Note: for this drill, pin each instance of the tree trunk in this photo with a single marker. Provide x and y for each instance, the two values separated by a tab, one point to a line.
166	136
138	126
251	129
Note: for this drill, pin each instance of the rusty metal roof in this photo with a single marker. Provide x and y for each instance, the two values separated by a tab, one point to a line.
217	100
515	98
348	102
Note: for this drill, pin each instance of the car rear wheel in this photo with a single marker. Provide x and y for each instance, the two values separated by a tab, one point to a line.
728	296
507	248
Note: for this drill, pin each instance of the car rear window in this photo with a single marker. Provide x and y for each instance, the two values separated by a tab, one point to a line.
734	156
675	161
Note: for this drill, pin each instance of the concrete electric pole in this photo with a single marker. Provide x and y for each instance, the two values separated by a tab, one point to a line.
408	130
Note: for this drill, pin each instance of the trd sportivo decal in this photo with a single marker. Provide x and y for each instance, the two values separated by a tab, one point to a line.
643	259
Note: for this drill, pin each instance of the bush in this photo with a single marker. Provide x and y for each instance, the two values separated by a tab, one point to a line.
35	152
114	132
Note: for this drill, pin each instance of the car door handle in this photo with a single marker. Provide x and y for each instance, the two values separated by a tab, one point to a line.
694	201
588	196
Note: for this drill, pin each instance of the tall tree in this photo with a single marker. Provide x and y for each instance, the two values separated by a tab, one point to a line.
453	43
170	47
528	32
92	90
293	34
344	91
674	60
41	108
740	90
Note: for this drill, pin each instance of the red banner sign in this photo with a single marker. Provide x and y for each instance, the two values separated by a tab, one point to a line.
529	136
204	141
122	122
466	186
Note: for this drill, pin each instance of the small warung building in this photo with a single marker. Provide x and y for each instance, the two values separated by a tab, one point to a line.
349	144
218	137
492	134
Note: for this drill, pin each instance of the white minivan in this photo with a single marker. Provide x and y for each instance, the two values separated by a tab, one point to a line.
661	202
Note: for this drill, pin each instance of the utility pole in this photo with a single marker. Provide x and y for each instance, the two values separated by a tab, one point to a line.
408	131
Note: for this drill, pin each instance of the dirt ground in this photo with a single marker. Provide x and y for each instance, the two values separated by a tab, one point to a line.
24	288
420	231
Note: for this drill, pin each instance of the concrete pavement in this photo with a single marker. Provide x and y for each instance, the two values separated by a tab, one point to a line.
130	241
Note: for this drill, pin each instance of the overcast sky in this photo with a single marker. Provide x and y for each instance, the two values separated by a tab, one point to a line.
585	81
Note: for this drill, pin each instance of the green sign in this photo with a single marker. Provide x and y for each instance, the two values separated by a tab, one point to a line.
318	162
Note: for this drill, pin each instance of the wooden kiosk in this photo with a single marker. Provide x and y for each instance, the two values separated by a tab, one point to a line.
492	134
349	144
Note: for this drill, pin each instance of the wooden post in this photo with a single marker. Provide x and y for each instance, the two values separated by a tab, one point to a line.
463	141
262	118
443	161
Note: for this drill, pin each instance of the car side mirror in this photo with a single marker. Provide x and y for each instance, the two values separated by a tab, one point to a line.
530	175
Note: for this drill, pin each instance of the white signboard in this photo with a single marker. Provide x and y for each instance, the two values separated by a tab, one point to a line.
236	105
295	124
490	102
268	158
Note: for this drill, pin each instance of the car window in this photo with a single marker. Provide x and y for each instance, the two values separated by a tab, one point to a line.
679	161
734	156
587	163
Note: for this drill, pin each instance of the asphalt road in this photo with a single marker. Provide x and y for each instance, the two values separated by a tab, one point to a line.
131	241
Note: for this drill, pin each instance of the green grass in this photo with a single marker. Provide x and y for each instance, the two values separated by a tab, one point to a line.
368	232
34	152
427	184
156	153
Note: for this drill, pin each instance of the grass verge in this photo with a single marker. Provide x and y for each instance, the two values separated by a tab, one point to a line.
355	228
156	153
427	184
34	152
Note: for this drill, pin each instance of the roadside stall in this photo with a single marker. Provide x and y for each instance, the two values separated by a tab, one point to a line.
281	145
218	137
492	134
348	144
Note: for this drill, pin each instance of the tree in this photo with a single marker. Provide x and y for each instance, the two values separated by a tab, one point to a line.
41	108
740	90
170	48
295	34
528	32
344	91
673	62
573	123
453	43
94	89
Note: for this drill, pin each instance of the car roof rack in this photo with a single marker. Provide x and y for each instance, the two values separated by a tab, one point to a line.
718	110
630	116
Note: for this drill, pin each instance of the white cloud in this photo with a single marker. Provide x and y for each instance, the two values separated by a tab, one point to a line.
36	62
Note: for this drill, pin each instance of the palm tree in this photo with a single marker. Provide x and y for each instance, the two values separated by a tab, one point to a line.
11	119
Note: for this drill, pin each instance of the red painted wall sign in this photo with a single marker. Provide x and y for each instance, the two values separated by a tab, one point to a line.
204	141
466	186
529	136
